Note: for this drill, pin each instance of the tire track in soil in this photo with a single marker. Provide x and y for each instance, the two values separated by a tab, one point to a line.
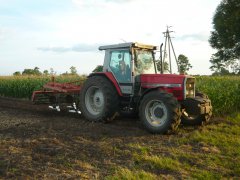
23	112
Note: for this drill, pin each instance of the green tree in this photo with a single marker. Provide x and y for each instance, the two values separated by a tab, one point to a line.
183	64
34	71
17	73
222	71
28	72
226	35
99	68
45	72
165	66
73	70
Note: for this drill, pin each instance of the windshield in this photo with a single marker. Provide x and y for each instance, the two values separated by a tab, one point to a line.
144	62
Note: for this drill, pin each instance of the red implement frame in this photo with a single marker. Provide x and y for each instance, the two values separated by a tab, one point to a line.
58	88
63	87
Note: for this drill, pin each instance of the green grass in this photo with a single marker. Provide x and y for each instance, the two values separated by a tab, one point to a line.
126	174
210	152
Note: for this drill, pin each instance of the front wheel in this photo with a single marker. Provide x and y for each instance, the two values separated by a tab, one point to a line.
196	111
159	112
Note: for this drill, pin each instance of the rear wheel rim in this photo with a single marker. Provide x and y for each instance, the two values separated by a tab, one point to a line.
156	113
94	100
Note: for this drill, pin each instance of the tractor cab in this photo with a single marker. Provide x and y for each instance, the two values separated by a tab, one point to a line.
127	61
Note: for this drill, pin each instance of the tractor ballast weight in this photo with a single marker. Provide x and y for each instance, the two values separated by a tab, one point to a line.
130	82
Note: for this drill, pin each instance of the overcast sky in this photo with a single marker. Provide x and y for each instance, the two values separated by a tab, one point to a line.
59	34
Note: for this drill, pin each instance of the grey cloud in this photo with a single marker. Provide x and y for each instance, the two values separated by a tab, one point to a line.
197	36
54	49
75	48
85	47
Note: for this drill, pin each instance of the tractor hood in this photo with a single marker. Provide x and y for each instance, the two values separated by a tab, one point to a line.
162	80
181	86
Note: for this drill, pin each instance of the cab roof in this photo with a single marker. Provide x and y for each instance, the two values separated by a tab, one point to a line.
128	45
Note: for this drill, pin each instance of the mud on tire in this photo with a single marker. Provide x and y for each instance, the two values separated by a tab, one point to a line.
99	99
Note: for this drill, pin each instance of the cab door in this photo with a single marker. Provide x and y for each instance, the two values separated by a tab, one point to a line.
120	65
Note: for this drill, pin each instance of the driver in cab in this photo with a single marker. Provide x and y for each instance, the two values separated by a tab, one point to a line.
124	70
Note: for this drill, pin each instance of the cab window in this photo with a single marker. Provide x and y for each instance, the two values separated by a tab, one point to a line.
144	62
120	65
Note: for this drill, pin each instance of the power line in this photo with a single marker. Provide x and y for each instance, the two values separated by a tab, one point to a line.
168	42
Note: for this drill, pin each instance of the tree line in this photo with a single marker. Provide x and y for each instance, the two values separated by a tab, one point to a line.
36	71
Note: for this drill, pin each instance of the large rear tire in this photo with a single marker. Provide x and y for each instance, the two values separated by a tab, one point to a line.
98	99
193	118
159	112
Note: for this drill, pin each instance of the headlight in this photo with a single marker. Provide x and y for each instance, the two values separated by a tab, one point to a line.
189	87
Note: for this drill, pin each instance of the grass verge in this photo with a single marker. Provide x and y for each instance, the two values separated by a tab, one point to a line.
210	152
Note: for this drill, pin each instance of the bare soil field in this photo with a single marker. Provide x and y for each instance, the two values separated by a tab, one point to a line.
36	142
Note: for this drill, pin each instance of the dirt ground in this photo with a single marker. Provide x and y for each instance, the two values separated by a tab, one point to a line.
39	143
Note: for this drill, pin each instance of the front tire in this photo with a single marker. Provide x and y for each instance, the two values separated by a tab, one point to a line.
99	99
191	117
159	112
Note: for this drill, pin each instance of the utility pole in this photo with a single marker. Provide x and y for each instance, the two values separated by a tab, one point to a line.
168	42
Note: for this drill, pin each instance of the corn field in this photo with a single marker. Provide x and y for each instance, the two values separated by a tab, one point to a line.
23	86
224	91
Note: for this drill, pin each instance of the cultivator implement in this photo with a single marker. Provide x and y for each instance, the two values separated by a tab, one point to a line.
54	94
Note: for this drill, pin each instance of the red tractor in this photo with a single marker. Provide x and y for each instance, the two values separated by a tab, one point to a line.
130	82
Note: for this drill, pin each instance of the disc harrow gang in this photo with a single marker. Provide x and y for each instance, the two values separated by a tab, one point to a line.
54	93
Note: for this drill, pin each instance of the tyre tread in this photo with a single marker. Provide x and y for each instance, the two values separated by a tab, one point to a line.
174	107
111	106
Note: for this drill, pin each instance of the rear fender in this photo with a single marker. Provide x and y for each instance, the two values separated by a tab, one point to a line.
111	78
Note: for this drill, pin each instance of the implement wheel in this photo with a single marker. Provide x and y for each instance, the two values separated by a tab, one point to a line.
99	99
159	112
